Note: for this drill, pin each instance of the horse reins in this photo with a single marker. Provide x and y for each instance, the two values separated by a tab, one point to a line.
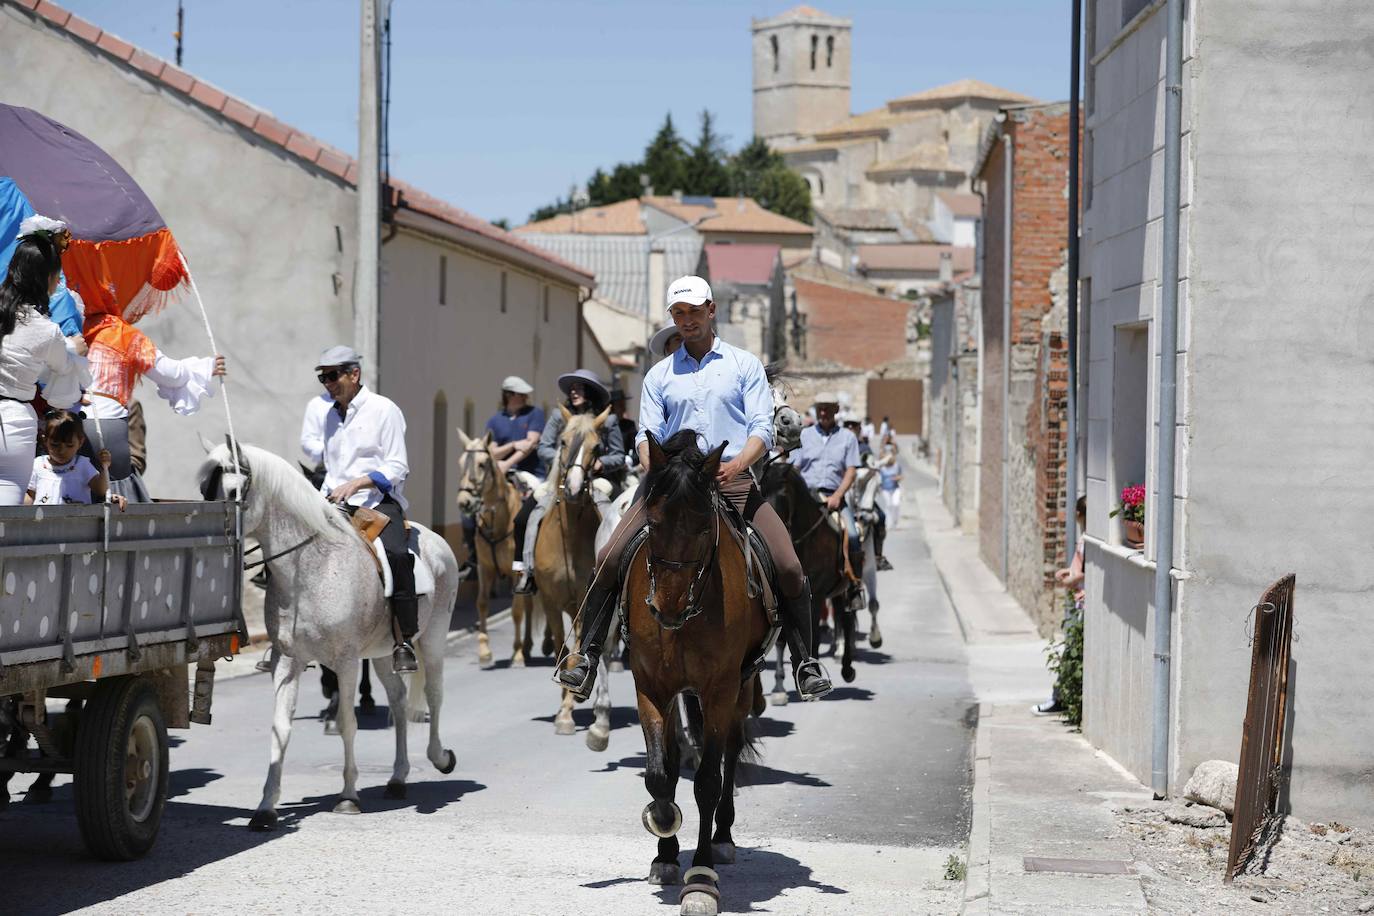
703	565
469	460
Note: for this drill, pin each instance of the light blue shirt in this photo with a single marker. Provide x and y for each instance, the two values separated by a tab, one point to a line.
725	397
825	456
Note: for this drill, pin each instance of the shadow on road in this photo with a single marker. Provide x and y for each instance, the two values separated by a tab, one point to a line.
758	876
848	693
421	797
584	716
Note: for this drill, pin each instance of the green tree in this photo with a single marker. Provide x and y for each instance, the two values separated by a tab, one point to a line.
665	160
757	171
706	171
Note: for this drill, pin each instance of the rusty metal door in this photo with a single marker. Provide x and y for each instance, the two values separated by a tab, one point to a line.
1261	746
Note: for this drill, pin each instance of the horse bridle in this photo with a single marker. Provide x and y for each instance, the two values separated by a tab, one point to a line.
466	467
703	566
574	447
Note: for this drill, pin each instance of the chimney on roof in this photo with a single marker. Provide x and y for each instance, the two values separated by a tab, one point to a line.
677	196
946	266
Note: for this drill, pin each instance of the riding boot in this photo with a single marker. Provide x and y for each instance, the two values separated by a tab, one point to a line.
812	681
598	610
405	610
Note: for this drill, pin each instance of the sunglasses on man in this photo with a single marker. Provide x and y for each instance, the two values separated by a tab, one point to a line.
331	375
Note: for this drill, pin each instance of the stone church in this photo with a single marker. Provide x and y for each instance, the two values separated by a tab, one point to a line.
891	186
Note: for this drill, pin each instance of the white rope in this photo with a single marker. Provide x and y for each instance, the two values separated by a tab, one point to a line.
223	381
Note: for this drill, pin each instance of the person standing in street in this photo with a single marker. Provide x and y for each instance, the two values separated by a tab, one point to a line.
720	392
365	466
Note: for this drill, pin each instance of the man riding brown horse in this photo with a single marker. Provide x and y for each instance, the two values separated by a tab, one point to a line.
721	392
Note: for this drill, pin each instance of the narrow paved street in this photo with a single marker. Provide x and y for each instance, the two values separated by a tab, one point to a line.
856	806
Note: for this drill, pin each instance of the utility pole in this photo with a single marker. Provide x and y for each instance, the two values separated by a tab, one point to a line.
367	273
181	21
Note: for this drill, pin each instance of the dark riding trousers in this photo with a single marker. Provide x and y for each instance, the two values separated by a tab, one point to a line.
395	544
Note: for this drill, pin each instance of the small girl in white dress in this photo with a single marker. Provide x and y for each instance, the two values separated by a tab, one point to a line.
63	477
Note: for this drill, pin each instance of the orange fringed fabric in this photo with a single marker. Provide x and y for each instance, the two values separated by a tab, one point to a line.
130	278
119	355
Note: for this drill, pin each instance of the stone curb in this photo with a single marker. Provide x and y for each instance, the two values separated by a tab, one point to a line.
978	869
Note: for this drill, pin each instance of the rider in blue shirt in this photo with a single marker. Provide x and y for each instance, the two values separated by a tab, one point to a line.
721	392
829	460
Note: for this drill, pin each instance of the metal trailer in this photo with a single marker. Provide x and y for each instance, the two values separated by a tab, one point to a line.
112	608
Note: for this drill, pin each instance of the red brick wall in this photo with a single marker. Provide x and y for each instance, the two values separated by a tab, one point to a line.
1039	139
852	328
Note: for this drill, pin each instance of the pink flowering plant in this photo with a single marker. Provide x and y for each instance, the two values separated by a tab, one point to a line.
1132	507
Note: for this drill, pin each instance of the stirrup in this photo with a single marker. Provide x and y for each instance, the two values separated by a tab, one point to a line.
821	688
525	584
581	688
403	658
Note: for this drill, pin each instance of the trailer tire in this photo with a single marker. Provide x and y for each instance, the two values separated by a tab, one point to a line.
121	769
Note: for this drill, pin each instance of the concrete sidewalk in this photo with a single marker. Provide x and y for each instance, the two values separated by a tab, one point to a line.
1040	792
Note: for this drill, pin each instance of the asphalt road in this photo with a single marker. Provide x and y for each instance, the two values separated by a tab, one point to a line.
855	807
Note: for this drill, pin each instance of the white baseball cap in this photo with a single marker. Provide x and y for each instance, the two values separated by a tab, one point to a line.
691	290
516	385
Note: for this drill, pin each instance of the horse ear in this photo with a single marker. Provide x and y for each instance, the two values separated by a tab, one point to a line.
601	417
713	461
206	443
657	456
486	439
463	437
567	414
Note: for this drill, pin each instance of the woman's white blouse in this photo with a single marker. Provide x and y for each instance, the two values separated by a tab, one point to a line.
35	351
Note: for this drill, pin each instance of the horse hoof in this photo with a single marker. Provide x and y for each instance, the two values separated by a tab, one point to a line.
565	727
664	873
263	821
848	675
778	698
396	790
517	660
723	853
450	761
347	806
331	726
699	903
598	739
661	832
546	646
615	667
368	705
875	640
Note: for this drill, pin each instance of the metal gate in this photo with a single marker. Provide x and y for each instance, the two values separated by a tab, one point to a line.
1261	746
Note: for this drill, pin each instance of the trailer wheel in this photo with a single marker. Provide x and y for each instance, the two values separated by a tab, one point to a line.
121	769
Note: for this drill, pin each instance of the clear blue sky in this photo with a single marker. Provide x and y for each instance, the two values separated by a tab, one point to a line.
500	106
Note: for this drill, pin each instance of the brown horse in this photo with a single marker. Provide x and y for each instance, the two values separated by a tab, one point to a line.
565	548
694	627
821	551
486	494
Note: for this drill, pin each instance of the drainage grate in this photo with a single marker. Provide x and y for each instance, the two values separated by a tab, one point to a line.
1077	866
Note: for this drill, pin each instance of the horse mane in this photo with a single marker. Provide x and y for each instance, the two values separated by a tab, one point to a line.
679	480
290	491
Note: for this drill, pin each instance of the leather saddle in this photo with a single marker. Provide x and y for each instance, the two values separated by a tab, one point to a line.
369	525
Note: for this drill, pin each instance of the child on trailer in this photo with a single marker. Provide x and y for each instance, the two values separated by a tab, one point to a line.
63	477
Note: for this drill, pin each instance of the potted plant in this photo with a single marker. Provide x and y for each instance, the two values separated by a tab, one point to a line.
1132	512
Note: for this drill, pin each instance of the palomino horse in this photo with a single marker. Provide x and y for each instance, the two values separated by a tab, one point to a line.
494	502
564	550
694	626
821	551
325	604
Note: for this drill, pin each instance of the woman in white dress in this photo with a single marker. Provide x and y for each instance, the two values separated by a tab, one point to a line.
32	351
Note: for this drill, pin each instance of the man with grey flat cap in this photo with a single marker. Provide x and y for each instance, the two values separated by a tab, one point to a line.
363	446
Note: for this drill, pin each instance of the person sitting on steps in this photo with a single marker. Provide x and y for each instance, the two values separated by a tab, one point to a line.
722	393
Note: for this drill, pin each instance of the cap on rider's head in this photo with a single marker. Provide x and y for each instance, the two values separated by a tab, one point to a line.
516	385
342	355
688	290
827	398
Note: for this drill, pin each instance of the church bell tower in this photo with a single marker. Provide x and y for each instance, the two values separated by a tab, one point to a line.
801	74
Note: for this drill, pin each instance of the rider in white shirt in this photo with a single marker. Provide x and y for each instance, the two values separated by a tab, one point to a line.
365	466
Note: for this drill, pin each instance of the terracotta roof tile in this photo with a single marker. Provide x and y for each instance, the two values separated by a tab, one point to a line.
961	89
333	161
914	258
52	12
620	218
153	66
237	111
86	31
272	130
178	79
730	214
750	265
114	45
208	95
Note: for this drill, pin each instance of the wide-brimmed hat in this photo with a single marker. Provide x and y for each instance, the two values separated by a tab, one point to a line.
826	397
597	392
658	344
342	355
516	385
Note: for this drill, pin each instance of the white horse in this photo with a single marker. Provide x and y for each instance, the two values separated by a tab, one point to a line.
325	603
599	734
